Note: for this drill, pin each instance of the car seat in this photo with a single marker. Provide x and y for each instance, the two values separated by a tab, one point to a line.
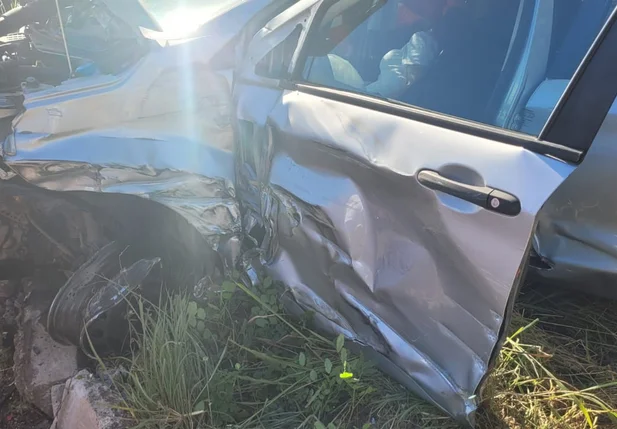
461	80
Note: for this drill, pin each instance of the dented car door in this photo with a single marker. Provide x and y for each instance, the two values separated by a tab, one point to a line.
404	220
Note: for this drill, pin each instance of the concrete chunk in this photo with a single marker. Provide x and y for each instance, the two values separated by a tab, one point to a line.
40	362
57	396
88	404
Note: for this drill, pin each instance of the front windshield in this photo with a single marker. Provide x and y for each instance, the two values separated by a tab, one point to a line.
181	17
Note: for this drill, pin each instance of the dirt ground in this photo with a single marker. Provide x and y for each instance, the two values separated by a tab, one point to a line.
14	413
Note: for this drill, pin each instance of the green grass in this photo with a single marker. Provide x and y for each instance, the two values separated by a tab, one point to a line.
236	360
558	368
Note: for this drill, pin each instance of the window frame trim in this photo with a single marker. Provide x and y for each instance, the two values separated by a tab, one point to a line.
441	120
555	139
589	95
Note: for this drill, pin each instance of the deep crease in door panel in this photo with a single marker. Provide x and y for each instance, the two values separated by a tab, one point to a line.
328	201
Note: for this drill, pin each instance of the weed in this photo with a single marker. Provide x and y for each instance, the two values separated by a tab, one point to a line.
235	359
557	368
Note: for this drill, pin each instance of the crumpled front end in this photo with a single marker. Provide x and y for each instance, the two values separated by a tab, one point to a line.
203	194
160	131
146	158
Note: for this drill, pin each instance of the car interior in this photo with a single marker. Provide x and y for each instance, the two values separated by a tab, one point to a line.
493	54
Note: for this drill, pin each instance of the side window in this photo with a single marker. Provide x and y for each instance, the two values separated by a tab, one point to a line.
275	64
500	62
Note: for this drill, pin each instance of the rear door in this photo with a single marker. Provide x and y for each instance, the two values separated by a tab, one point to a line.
404	219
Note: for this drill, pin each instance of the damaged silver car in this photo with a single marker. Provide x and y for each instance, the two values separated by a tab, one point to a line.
398	164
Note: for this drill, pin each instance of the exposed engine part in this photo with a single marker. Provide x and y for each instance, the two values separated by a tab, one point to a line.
92	33
27	13
33	44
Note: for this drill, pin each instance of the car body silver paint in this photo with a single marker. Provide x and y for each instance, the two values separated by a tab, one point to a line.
577	232
160	130
417	278
420	281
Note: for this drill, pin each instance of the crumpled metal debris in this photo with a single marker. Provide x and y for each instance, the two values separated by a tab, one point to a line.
90	309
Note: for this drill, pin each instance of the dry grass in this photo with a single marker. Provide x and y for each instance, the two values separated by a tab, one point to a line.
558	368
240	362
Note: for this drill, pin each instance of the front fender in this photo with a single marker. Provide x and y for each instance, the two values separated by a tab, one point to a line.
193	179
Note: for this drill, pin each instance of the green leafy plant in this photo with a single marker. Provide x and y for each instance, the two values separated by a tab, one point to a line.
236	359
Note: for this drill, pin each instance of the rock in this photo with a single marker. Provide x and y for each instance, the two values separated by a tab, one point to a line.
40	362
57	396
112	375
87	404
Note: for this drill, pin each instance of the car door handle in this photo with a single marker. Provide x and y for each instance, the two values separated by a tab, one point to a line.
486	197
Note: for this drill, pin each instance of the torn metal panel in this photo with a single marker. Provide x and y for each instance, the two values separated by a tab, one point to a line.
206	203
159	128
577	234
